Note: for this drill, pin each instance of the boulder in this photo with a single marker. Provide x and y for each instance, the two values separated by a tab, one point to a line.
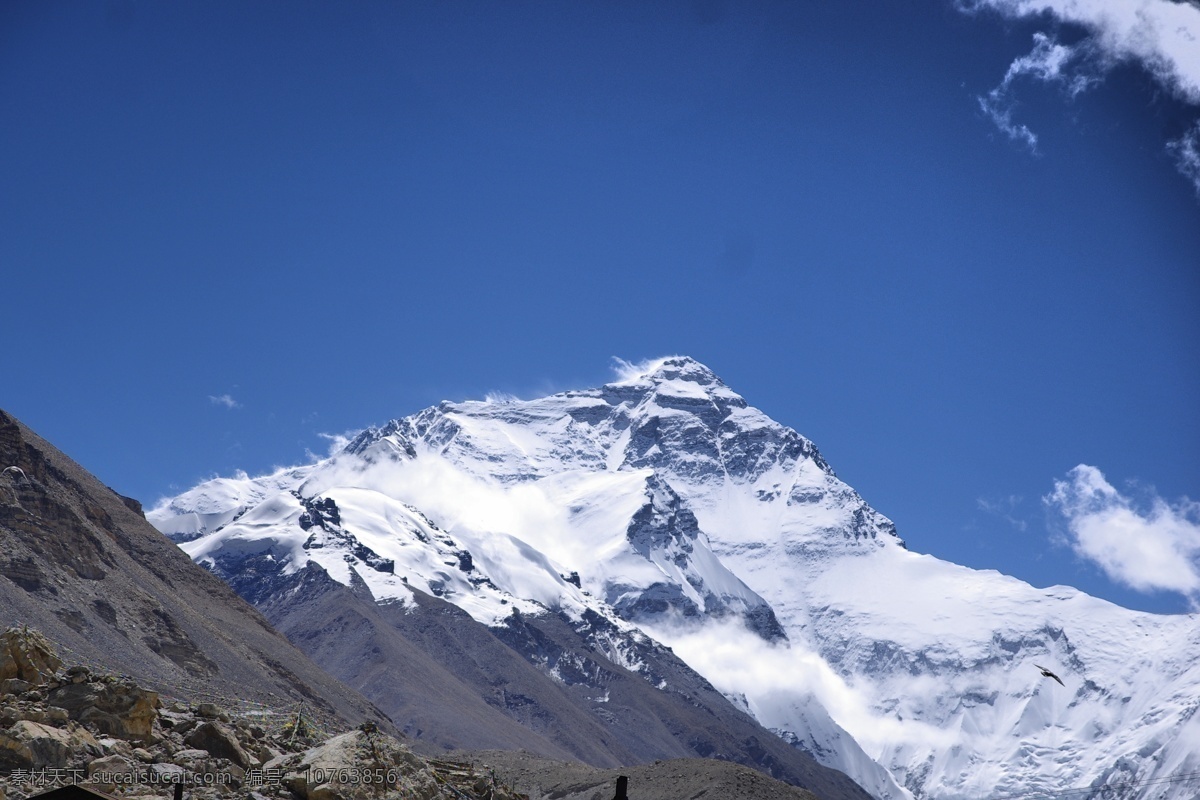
32	745
120	709
267	753
78	674
219	742
27	655
104	770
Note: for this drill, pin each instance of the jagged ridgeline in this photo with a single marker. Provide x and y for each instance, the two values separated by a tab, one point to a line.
75	726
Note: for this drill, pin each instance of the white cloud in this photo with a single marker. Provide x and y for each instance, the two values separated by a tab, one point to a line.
1049	62
1150	548
1186	150
337	443
778	679
1163	36
224	400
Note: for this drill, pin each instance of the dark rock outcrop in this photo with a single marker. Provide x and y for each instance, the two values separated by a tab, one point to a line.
116	707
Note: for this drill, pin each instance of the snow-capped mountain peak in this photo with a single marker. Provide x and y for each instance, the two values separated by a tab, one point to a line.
664	500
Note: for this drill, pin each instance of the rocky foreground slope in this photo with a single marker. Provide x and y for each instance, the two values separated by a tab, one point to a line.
74	726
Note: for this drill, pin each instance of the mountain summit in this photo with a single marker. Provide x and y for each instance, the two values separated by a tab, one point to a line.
663	509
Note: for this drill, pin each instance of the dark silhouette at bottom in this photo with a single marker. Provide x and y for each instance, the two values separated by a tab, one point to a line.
622	788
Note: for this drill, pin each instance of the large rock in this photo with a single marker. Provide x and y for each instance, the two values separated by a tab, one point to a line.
27	655
118	708
217	741
114	769
32	745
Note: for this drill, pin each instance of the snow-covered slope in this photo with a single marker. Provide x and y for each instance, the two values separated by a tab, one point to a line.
665	503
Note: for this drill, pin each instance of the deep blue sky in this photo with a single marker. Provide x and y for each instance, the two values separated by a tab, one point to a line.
340	213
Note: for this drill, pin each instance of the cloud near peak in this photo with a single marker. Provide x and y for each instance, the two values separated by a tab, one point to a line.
1152	548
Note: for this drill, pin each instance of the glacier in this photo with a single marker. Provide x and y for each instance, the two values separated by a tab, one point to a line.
666	504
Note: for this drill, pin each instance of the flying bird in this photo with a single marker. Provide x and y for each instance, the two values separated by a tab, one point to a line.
1048	674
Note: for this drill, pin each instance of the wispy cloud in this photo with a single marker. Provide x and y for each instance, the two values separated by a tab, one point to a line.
1152	546
1186	150
224	400
1005	507
1048	62
1162	36
337	443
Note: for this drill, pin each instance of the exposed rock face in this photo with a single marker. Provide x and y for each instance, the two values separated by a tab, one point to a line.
218	741
32	745
101	770
27	655
118	708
